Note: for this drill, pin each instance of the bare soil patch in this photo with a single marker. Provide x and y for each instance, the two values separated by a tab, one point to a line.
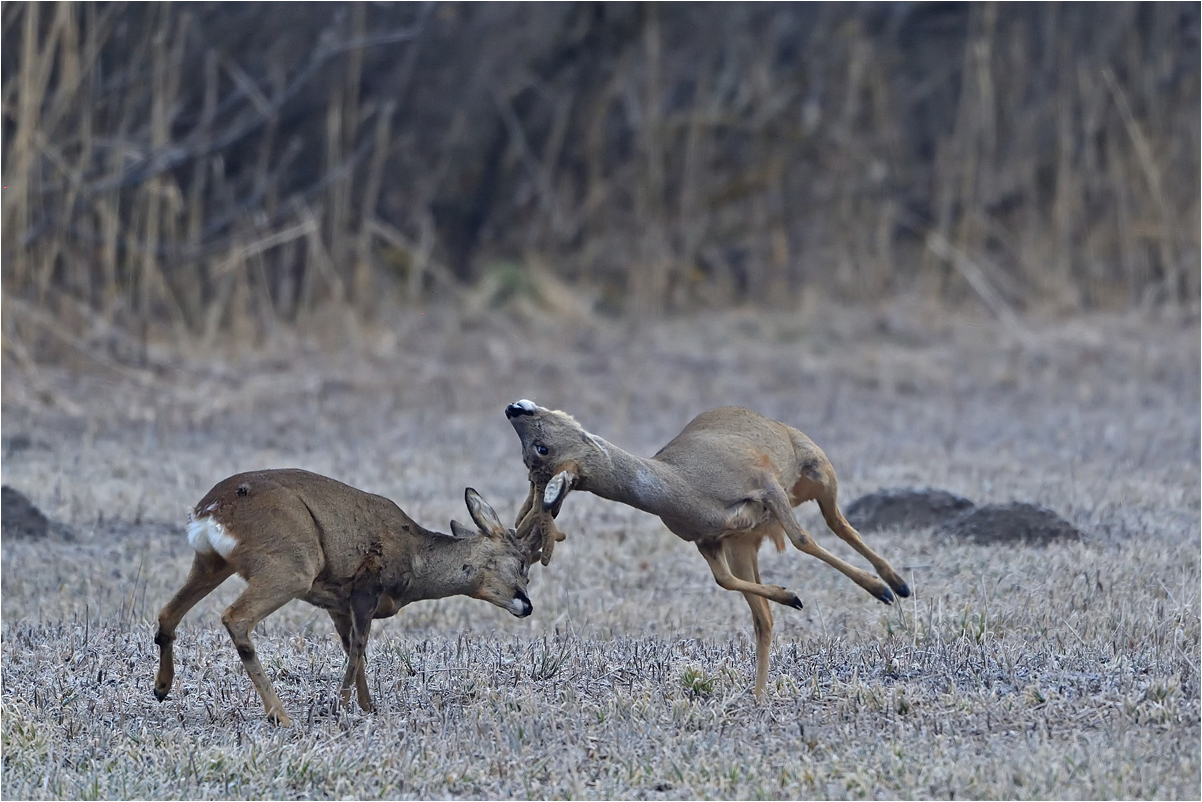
1067	670
1007	523
905	507
21	518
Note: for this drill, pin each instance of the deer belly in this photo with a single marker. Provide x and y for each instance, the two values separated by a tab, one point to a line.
746	515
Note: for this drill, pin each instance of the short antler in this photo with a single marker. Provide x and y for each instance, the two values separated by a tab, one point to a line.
536	529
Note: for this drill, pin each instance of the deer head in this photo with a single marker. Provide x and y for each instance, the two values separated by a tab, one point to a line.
502	567
557	452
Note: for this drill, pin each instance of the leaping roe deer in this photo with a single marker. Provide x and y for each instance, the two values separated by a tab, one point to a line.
725	483
292	534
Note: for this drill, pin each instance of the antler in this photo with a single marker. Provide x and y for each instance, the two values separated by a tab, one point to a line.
536	526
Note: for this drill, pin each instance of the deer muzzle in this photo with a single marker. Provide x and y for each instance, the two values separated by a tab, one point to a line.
519	408
520	605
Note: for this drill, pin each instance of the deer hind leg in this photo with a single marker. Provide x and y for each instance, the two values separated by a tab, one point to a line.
260	599
207	573
743	559
839	525
715	555
778	502
342	622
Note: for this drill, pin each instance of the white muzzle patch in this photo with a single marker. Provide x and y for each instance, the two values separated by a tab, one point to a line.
208	536
526	404
520	607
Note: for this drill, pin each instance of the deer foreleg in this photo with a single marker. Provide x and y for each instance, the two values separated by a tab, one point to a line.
744	564
363	608
357	672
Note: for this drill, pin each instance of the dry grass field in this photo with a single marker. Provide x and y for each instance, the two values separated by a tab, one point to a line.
1067	671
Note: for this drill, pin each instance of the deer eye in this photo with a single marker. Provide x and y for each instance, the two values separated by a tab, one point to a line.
541	449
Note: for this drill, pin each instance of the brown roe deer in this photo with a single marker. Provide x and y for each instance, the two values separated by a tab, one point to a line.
292	534
728	481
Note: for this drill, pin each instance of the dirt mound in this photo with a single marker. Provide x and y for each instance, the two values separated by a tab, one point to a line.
905	507
20	518
1006	523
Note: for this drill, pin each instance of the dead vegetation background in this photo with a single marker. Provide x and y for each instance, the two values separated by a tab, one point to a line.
185	170
957	245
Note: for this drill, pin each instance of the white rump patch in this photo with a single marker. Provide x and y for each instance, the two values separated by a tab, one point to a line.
208	536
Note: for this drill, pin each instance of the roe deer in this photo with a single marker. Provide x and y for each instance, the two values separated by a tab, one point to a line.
726	482
292	534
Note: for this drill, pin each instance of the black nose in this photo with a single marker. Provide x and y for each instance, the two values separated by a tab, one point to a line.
527	606
513	411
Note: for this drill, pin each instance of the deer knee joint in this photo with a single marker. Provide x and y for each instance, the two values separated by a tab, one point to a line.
726	583
239	632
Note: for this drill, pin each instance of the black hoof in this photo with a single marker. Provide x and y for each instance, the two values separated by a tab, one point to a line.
902	590
160	695
795	603
886	596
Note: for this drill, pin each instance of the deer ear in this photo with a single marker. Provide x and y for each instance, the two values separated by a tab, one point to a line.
557	489
485	516
460	531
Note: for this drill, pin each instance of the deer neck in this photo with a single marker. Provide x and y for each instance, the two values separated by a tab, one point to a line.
645	484
433	570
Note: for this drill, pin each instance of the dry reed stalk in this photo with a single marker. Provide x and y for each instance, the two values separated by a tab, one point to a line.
342	128
652	271
335	206
1147	162
320	257
19	164
51	327
975	276
547	231
193	280
304	228
778	293
153	189
361	293
691	214
421	264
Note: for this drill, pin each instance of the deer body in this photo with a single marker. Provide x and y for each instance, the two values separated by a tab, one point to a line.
728	481
292	534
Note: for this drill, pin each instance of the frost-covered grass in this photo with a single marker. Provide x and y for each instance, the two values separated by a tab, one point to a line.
1014	671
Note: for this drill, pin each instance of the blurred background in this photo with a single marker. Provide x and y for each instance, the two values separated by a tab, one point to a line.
181	172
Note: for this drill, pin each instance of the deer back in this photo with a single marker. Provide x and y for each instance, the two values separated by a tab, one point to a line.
317	520
725	452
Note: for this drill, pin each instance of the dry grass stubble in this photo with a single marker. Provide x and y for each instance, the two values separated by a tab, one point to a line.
1070	671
